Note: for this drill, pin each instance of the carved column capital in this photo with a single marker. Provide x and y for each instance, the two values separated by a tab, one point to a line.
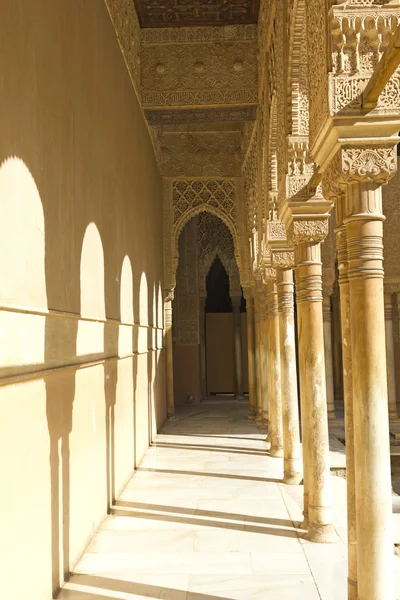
169	294
309	230
356	163
283	259
269	274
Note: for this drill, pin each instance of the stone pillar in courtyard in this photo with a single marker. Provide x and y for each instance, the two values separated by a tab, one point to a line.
169	357
307	236
257	355
262	302
363	170
251	352
328	348
390	357
202	337
274	367
348	402
284	262
237	325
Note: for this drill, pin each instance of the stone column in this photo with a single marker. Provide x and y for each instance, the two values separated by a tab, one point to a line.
330	386
203	363
274	369
364	225
169	357
263	355
257	352
236	303
348	407
289	396
313	383
251	353
390	361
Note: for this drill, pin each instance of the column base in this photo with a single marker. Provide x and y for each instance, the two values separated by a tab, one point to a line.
352	591
251	416
292	478
321	534
276	451
171	417
305	524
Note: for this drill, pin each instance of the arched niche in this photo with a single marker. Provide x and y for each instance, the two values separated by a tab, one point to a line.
22	237
126	296
143	301
92	275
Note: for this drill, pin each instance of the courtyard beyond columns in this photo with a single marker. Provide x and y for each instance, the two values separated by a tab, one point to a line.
206	517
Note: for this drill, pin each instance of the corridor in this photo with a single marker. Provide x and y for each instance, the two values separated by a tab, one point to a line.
205	517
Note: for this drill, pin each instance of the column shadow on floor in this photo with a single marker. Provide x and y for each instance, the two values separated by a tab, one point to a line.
104	584
218	475
188	516
204	447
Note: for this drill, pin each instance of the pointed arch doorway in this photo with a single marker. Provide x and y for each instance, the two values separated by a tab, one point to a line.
209	323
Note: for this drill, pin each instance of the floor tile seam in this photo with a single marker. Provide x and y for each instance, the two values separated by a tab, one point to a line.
301	545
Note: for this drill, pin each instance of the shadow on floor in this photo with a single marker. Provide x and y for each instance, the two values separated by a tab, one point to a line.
205	448
99	586
196	517
219	475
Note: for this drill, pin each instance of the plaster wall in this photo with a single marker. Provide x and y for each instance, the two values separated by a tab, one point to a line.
81	314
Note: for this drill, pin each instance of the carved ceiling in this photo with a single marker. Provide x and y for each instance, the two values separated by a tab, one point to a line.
199	87
182	13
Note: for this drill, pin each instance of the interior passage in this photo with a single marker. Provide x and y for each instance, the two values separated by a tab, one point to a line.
206	516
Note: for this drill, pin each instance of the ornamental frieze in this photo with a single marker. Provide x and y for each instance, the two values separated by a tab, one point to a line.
175	13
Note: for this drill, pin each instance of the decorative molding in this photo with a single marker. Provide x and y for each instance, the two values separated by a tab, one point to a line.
191	197
198	35
369	163
309	230
283	259
175	13
196	116
201	73
198	154
124	19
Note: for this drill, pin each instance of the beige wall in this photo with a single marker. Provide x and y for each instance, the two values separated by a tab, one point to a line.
80	286
187	378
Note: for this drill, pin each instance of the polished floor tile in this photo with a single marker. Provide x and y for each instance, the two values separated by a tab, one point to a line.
206	517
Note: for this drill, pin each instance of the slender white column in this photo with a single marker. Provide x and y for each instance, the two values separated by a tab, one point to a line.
263	356
203	363
289	395
257	350
313	392
236	303
169	357
390	363
348	409
251	354
364	232
330	387
274	372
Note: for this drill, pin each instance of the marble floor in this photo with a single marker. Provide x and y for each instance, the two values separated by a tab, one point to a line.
206	517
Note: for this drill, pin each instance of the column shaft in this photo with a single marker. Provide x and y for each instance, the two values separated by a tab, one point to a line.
313	392
169	359
251	356
203	363
289	396
348	414
237	324
263	359
371	424
274	372
257	349
390	363
330	387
